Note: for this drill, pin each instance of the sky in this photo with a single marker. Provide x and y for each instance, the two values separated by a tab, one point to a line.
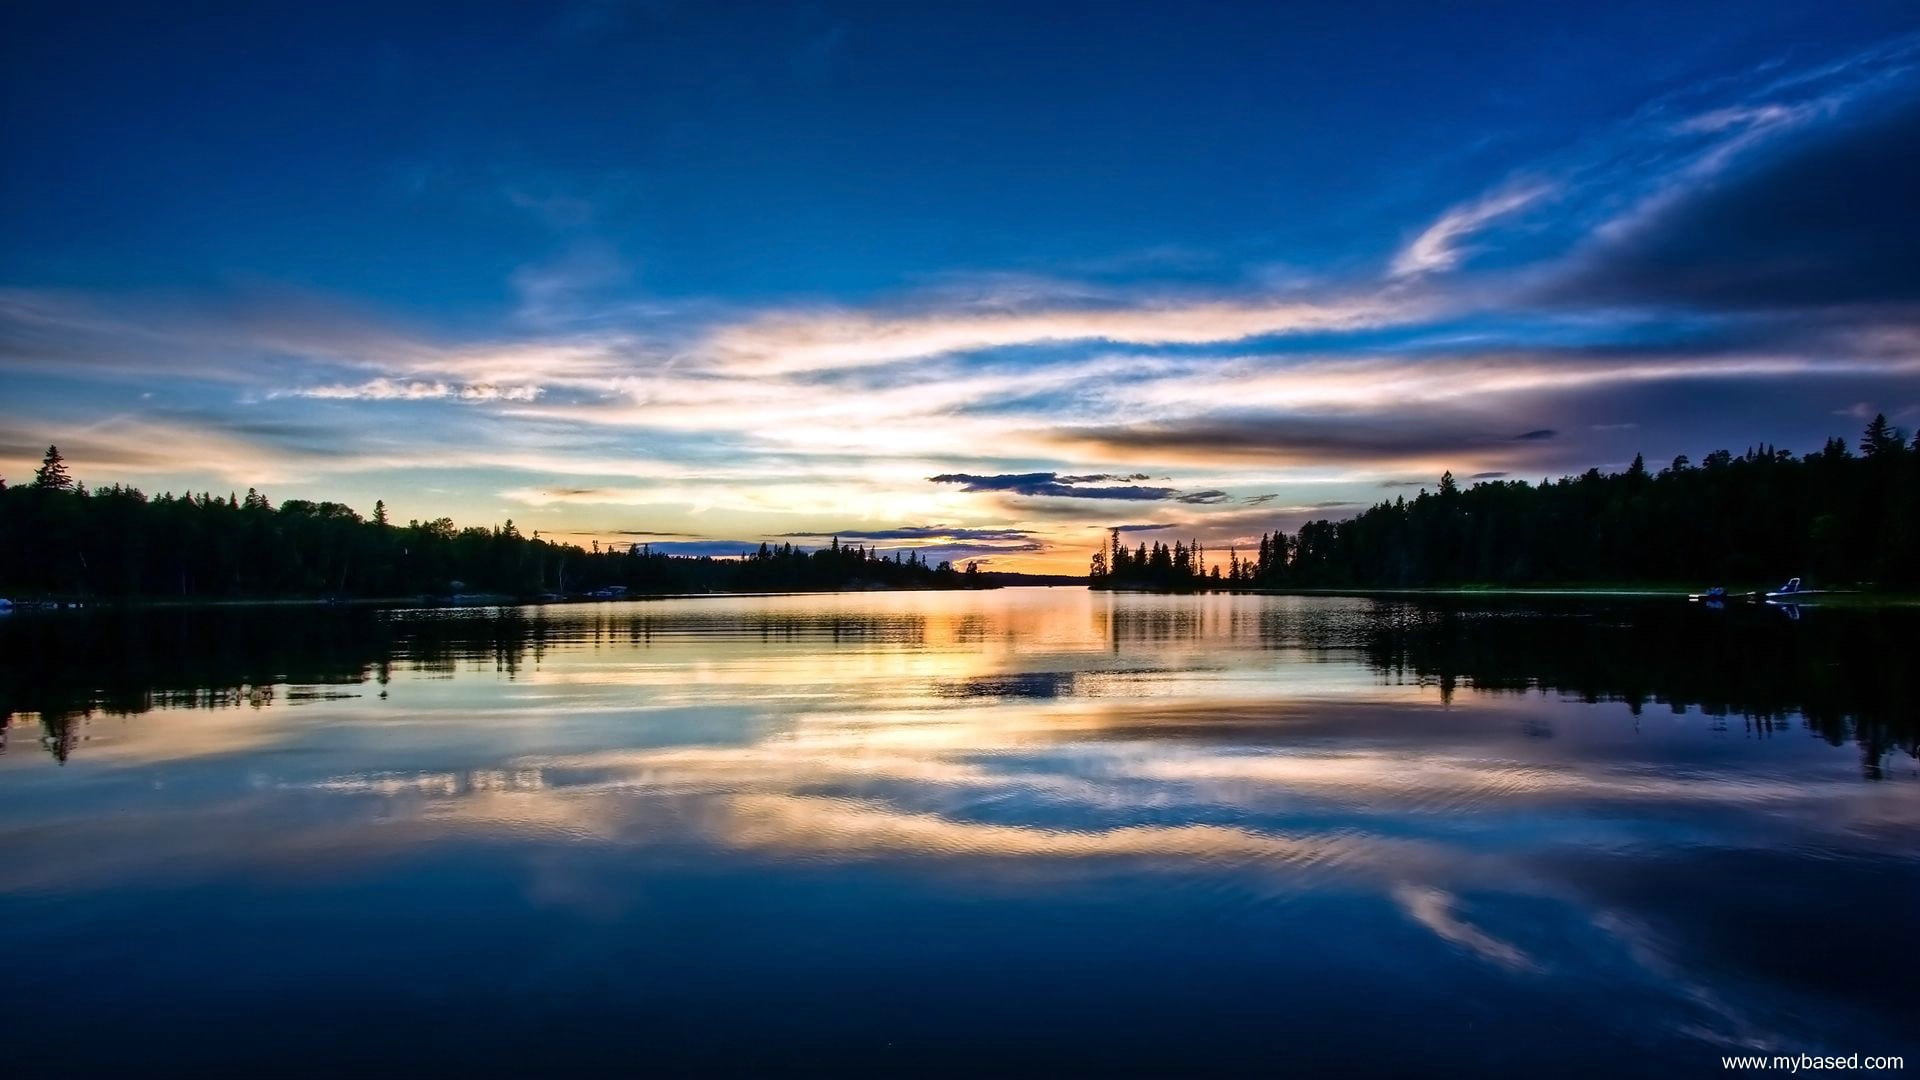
982	280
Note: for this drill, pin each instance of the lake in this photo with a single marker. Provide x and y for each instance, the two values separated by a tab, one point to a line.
1024	830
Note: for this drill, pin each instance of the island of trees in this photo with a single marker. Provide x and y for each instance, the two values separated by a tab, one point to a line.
1835	516
59	539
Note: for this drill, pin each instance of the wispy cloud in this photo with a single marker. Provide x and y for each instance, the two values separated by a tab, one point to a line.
1441	246
920	532
786	343
1436	910
414	390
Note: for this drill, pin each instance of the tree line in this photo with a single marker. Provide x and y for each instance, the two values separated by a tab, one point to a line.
60	539
1834	515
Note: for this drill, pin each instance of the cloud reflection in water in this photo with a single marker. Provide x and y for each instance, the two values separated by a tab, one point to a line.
1438	773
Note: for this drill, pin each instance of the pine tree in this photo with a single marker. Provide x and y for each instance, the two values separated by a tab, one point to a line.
1879	438
52	474
380	512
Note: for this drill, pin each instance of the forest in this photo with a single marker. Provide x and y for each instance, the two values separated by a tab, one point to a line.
1843	516
60	539
1835	516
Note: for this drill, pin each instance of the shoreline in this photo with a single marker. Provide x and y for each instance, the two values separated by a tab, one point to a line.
1863	597
475	601
467	600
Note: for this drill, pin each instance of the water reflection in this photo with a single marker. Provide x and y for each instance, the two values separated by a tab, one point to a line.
1843	676
1447	819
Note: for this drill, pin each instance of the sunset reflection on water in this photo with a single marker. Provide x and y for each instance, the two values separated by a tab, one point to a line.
1438	814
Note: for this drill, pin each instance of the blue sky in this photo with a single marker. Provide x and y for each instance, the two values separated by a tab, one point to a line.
980	278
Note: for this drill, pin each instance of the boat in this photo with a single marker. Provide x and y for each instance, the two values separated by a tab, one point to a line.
1791	589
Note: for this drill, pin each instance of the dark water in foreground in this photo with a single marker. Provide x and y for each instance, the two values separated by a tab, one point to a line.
1008	832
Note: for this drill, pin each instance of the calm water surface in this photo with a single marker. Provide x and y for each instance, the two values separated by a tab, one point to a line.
1023	830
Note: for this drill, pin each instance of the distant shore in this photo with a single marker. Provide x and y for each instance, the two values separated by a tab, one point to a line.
1633	591
1862	597
479	600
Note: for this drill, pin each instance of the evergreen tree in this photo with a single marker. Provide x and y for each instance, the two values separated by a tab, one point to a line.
52	474
1756	518
1879	438
61	539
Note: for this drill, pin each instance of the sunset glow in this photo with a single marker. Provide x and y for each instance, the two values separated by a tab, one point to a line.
743	278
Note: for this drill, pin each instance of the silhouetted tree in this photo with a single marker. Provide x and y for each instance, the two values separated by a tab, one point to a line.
1879	438
57	538
1764	514
52	474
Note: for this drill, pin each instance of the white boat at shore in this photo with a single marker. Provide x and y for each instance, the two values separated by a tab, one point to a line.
1794	589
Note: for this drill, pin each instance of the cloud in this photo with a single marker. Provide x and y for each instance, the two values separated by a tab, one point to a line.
1440	246
1657	163
1536	435
950	545
1820	220
1740	117
787	343
1078	486
386	389
1435	910
1052	484
718	549
1369	438
921	532
983	552
564	290
127	447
